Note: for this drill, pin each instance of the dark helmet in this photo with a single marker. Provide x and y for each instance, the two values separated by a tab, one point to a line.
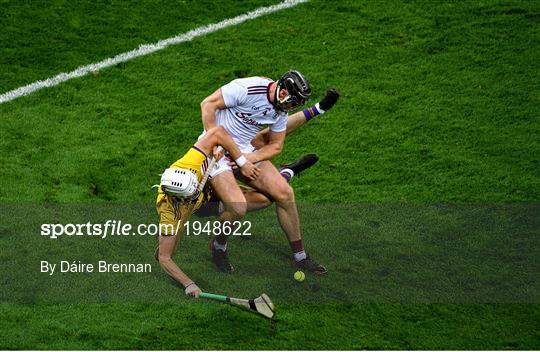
297	88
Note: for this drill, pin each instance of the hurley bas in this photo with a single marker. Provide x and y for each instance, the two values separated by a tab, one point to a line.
102	266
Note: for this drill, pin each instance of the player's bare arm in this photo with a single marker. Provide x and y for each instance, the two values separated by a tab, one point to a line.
300	118
273	147
218	136
209	106
294	121
167	246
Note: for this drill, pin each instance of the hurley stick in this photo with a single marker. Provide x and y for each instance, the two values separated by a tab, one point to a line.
261	305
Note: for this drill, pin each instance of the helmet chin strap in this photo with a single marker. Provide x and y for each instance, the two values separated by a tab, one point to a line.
281	101
278	100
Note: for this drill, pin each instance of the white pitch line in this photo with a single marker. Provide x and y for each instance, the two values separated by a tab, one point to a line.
145	49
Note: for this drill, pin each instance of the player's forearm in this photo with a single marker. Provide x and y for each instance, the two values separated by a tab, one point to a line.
302	117
295	120
170	267
261	138
268	151
225	140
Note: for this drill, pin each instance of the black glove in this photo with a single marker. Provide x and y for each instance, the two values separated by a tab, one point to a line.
330	99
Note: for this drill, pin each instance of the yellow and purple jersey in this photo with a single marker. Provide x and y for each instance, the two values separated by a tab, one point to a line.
169	207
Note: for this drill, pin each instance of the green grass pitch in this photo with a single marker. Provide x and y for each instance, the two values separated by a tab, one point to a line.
439	106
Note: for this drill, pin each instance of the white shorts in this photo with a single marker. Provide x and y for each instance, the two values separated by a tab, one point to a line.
223	163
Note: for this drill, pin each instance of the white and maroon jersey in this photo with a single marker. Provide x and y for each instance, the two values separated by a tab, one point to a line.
249	110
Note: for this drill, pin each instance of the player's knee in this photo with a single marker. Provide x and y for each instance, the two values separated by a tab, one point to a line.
284	194
265	203
240	210
236	210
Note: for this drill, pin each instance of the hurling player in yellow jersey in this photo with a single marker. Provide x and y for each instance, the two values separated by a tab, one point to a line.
179	186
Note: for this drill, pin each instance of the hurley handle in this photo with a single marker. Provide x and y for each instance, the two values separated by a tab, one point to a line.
208	170
213	296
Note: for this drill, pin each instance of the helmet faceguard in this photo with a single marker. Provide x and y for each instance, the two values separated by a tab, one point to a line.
298	91
180	183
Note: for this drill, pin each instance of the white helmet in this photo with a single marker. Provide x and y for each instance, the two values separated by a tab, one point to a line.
181	183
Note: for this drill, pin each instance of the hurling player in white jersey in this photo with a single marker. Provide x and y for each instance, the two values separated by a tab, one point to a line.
244	107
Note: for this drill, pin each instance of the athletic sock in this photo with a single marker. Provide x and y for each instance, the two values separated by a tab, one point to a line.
300	256
298	250
287	174
219	246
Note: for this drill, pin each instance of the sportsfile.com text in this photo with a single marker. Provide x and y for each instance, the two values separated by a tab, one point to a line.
120	228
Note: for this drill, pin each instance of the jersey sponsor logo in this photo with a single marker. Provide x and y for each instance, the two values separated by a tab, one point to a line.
245	116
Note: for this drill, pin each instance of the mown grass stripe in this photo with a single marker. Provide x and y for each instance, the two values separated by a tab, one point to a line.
145	49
